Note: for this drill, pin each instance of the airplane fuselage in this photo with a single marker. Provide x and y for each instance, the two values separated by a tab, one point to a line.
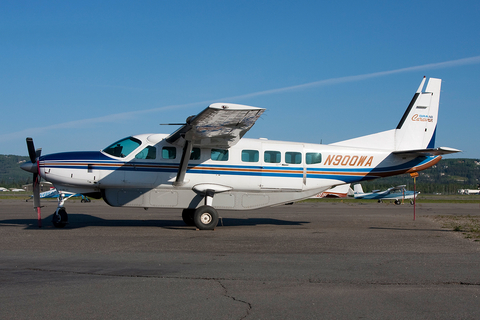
254	173
399	195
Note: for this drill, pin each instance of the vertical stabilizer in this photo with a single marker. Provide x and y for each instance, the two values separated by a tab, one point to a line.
416	129
357	189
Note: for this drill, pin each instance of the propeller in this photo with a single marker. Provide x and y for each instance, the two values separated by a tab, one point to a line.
34	167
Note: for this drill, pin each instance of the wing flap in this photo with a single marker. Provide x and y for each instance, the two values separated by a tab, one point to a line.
220	125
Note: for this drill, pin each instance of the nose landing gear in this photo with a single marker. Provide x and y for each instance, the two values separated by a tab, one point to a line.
60	216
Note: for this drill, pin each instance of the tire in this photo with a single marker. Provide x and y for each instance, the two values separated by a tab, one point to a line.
205	218
60	218
397	202
187	216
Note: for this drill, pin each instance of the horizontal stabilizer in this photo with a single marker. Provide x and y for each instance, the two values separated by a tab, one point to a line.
427	152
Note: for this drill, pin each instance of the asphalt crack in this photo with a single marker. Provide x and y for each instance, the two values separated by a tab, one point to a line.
219	279
248	304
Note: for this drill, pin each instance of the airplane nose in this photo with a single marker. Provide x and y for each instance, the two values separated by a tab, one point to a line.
30	167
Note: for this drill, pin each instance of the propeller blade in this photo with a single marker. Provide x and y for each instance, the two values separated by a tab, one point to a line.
34	167
31	150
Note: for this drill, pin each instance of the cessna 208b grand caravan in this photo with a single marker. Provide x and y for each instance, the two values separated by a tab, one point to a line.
206	165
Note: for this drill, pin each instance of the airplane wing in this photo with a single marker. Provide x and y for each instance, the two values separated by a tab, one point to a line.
220	125
393	189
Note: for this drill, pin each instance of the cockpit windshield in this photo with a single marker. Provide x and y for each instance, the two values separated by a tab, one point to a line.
123	147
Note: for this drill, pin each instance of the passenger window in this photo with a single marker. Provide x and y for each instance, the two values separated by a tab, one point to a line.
293	157
272	156
313	157
250	155
147	153
169	152
219	155
195	154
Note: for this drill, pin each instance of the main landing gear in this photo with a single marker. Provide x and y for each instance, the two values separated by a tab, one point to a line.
204	217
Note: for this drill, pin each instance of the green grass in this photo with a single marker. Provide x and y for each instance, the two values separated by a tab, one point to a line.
468	225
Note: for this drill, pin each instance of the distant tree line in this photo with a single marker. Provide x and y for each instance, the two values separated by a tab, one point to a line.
447	177
11	176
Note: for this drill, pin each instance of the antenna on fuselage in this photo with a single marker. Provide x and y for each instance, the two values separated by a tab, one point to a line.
187	121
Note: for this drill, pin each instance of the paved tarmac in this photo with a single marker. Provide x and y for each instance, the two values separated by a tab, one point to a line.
304	261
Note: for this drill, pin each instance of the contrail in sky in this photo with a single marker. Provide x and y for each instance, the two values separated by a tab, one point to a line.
332	81
446	64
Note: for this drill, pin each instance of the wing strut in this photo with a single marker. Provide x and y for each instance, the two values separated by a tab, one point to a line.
182	168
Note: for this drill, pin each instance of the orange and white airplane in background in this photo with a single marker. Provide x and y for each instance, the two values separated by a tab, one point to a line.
341	191
206	165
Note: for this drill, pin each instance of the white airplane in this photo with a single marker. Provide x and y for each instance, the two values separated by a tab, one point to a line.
397	194
205	165
3	189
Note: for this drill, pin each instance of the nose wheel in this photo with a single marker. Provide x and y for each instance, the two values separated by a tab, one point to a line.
60	218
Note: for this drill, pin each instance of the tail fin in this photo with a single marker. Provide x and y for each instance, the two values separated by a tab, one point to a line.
415	131
357	189
418	126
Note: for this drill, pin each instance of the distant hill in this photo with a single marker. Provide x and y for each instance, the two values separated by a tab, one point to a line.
446	177
11	176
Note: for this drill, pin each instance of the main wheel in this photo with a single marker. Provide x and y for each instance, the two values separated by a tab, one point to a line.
205	218
397	202
60	218
187	216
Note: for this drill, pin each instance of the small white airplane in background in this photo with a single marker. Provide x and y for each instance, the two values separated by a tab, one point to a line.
398	194
3	189
206	164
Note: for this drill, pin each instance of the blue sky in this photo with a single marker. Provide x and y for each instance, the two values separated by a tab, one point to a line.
78	75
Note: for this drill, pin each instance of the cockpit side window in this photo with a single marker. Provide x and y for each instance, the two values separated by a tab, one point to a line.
123	147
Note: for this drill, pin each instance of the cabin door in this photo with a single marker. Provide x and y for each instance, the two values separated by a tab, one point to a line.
282	166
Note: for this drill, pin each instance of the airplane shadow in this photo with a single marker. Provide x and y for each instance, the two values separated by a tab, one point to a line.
77	220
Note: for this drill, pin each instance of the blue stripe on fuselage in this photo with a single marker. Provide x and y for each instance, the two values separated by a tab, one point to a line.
99	161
